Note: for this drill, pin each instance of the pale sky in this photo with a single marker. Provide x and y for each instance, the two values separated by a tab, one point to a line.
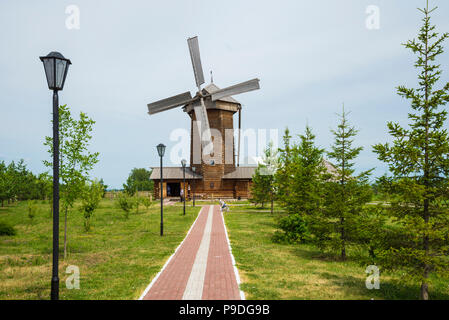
310	57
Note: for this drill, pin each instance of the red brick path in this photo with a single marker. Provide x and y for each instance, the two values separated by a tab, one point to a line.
220	279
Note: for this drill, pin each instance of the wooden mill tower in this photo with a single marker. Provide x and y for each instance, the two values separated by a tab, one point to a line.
222	161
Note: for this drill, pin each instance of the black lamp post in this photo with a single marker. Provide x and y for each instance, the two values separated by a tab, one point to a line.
56	67
183	162
193	186
161	152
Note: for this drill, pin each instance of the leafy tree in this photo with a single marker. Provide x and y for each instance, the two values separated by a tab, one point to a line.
418	158
3	182
44	186
32	208
105	187
90	199
9	185
346	194
138	180
75	160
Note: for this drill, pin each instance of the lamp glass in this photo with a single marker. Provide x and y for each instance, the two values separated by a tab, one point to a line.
161	150
56	67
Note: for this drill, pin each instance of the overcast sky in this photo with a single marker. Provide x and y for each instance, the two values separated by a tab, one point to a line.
310	57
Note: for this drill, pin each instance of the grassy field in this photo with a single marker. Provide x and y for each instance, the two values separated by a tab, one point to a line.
275	271
117	258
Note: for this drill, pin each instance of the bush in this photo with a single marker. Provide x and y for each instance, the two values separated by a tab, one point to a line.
126	203
90	199
6	229
146	201
32	208
293	230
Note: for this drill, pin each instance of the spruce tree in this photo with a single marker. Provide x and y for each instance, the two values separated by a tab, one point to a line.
418	159
346	193
306	172
283	175
263	189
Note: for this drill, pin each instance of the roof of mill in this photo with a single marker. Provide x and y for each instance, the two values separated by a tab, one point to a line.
173	173
212	87
241	173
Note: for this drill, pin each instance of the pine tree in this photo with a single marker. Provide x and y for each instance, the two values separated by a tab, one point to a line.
305	171
263	188
283	175
346	194
299	181
419	161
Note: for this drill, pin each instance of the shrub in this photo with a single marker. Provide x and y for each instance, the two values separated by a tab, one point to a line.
6	229
293	230
90	199
146	201
126	203
32	208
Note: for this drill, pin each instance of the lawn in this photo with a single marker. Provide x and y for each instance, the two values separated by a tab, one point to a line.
117	258
277	271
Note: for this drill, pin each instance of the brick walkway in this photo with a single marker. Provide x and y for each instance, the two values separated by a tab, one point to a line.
202	268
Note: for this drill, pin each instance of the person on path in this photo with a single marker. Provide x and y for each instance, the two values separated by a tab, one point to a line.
223	206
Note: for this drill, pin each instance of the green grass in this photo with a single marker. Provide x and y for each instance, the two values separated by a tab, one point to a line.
276	271
117	258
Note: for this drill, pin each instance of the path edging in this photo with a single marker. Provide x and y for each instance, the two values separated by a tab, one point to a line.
236	271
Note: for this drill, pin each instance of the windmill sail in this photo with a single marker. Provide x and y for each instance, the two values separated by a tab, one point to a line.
246	86
194	49
202	123
169	103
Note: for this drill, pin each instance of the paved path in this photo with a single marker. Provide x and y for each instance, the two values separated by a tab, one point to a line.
202	267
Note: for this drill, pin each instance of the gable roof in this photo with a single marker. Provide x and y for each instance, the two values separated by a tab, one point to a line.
173	173
330	167
241	173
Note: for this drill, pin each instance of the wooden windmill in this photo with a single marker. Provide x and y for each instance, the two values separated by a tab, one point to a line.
211	107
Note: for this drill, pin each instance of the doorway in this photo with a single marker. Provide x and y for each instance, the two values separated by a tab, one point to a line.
173	189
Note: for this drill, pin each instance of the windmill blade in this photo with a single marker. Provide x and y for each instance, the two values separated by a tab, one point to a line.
236	89
202	122
194	49
169	103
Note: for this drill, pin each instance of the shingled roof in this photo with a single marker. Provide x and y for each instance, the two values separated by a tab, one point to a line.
173	173
241	173
330	167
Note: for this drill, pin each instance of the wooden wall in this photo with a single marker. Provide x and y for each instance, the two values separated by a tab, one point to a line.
228	189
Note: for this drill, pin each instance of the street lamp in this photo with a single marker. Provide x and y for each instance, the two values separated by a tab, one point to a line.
193	187
183	162
161	151
56	67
